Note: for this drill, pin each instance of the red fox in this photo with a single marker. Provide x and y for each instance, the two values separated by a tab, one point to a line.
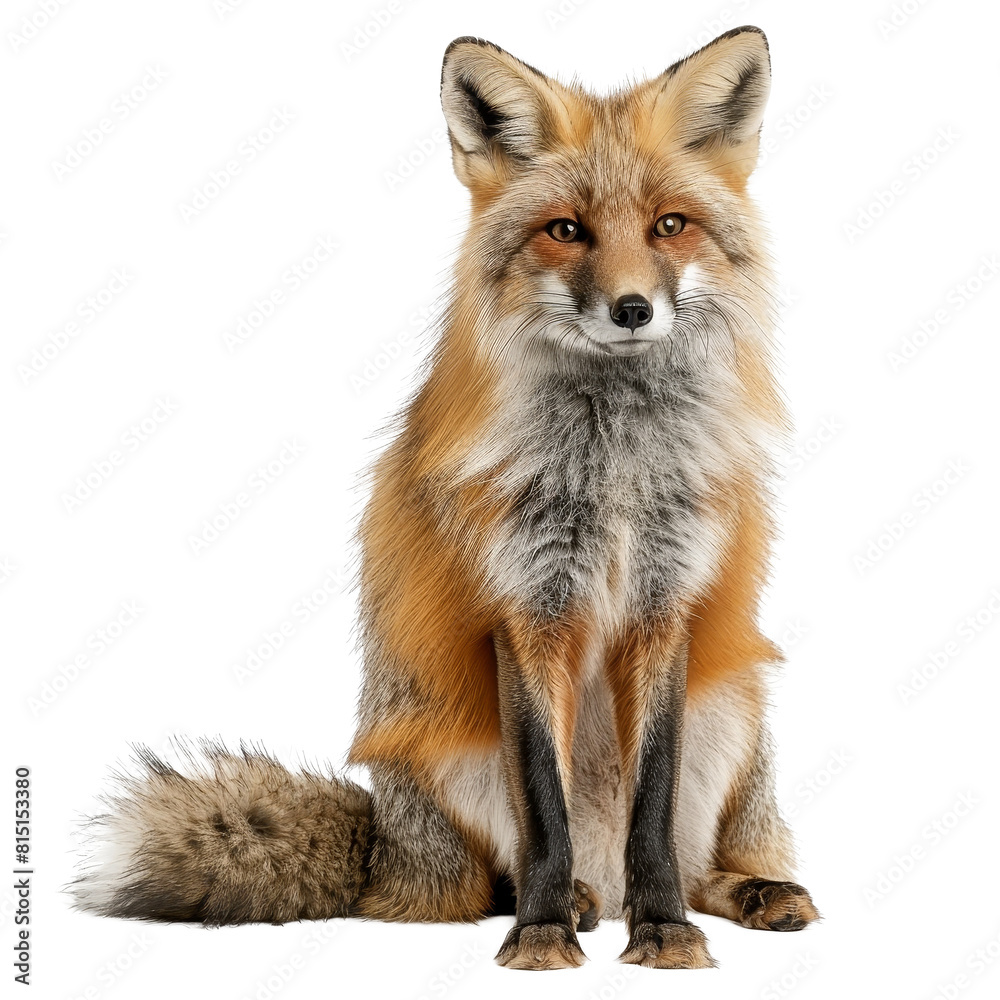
563	703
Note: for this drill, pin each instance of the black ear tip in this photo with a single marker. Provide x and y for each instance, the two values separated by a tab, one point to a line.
471	40
744	29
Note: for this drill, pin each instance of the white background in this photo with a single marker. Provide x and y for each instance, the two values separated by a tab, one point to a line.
896	453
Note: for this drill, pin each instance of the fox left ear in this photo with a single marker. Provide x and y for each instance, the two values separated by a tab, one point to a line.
501	112
713	100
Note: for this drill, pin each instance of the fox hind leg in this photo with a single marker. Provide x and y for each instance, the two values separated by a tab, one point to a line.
589	906
421	867
763	904
751	881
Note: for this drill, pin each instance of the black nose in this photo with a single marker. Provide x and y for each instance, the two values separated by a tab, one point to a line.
631	311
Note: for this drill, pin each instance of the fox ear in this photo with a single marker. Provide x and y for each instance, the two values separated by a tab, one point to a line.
501	112
713	101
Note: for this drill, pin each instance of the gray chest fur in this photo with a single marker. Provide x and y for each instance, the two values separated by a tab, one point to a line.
611	467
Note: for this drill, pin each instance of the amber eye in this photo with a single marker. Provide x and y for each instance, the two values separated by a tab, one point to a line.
565	230
669	225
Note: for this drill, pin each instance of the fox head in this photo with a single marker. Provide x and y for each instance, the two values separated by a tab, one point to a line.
618	225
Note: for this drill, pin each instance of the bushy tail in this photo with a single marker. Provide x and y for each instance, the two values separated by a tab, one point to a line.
240	839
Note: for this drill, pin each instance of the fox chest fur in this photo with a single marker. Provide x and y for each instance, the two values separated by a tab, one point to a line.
613	470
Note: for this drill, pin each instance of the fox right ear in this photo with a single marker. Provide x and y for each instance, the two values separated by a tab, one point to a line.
501	112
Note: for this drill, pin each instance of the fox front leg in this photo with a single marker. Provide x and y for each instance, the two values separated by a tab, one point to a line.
647	672
536	735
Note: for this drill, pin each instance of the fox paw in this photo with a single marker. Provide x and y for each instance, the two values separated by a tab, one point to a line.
589	906
540	946
667	946
774	906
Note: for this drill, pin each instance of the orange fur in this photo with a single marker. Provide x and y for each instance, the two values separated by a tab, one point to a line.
551	662
434	625
724	634
634	663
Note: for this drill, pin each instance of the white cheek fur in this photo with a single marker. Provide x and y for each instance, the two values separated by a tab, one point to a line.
692	279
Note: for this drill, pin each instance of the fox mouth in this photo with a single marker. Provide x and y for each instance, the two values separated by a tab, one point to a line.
626	346
572	335
622	347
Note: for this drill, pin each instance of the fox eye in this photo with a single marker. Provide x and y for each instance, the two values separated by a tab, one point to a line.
669	225
565	230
